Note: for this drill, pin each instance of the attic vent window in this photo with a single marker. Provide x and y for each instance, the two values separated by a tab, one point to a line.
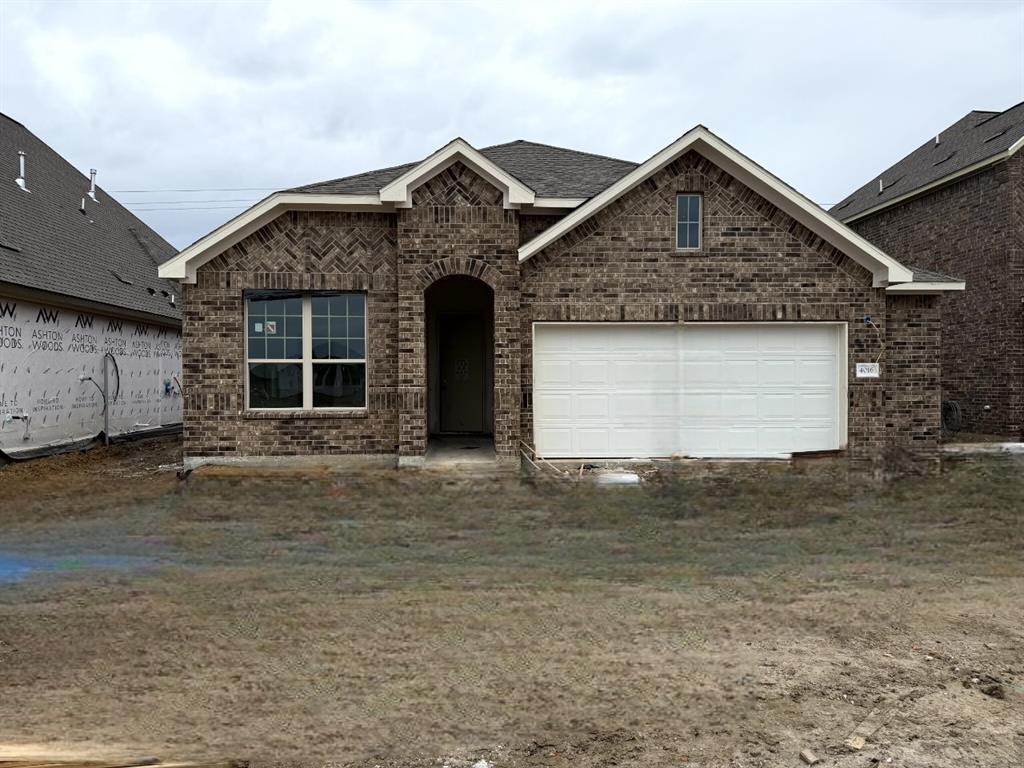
124	280
843	205
995	136
947	157
151	291
688	218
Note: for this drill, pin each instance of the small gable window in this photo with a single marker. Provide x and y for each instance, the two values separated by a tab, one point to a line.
688	214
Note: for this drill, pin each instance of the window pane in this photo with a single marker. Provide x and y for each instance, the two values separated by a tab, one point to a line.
339	305
275	385
356	327
356	304
293	306
694	208
339	385
356	349
320	305
321	349
293	349
339	349
694	236
293	326
681	236
321	327
275	349
257	348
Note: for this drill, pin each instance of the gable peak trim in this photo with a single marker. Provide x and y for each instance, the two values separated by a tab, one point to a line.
514	192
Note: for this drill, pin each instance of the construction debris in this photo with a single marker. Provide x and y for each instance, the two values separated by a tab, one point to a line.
875	720
809	757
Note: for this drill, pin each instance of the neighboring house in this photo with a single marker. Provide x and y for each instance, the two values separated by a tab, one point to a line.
956	205
592	308
79	293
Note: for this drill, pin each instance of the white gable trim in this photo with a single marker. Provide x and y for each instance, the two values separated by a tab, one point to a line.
183	266
922	289
400	190
885	269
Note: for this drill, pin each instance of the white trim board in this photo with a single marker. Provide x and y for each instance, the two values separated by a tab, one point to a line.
926	288
885	269
400	190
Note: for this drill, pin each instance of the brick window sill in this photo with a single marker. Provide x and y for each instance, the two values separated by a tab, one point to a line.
356	413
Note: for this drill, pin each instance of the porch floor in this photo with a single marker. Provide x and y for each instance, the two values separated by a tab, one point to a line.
449	450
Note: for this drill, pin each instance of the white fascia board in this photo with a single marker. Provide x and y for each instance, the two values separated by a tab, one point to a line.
400	190
926	288
980	165
559	202
183	266
884	268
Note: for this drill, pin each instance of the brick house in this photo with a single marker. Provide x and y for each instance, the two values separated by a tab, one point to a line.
693	305
956	205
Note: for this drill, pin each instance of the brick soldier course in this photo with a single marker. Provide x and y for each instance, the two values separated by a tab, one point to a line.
756	263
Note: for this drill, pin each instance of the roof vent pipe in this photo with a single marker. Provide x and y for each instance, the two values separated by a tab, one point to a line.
20	181
881	186
938	139
92	184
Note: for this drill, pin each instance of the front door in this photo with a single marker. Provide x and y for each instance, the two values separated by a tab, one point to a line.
463	374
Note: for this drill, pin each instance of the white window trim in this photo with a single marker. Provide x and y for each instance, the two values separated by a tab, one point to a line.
700	221
307	361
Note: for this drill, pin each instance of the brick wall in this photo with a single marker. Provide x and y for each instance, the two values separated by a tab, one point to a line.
913	370
972	229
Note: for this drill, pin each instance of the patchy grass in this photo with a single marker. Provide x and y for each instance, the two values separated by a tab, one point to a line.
396	617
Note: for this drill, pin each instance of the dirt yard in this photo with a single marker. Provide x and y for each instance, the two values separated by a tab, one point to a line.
387	618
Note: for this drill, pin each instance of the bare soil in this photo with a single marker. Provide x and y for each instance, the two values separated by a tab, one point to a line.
402	618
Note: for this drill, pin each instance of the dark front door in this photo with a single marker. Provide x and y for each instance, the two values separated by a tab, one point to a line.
463	373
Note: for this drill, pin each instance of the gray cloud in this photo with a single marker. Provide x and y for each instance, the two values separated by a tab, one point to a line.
219	95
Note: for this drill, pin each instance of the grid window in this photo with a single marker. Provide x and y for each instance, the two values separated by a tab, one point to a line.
688	216
306	350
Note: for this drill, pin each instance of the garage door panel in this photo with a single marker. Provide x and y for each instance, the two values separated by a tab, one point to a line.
700	390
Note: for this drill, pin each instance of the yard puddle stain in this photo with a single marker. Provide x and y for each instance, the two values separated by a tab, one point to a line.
17	567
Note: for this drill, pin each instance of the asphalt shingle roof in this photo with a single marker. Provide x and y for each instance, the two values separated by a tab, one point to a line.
46	243
549	171
975	137
931	276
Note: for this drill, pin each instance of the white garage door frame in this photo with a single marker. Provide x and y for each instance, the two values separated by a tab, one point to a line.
840	329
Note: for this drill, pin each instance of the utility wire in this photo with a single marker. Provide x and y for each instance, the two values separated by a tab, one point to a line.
193	208
175	202
201	189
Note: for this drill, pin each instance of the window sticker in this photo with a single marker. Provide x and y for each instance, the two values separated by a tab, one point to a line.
271	328
259	327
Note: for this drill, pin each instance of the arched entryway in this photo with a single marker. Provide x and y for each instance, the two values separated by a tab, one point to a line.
460	359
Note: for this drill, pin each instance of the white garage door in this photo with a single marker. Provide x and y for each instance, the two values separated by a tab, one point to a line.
704	390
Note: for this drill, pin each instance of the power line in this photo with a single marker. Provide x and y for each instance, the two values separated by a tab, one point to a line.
196	208
202	189
174	202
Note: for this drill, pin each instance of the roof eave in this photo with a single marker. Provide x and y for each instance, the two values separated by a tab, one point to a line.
926	288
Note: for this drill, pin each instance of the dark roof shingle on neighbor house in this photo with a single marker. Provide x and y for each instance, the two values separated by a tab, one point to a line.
976	137
106	255
549	171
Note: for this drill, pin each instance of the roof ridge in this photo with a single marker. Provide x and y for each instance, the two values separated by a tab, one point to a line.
354	175
564	149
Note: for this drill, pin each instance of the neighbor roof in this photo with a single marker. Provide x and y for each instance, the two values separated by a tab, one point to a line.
972	142
549	171
105	256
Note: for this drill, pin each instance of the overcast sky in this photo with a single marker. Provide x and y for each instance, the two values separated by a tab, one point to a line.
227	95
